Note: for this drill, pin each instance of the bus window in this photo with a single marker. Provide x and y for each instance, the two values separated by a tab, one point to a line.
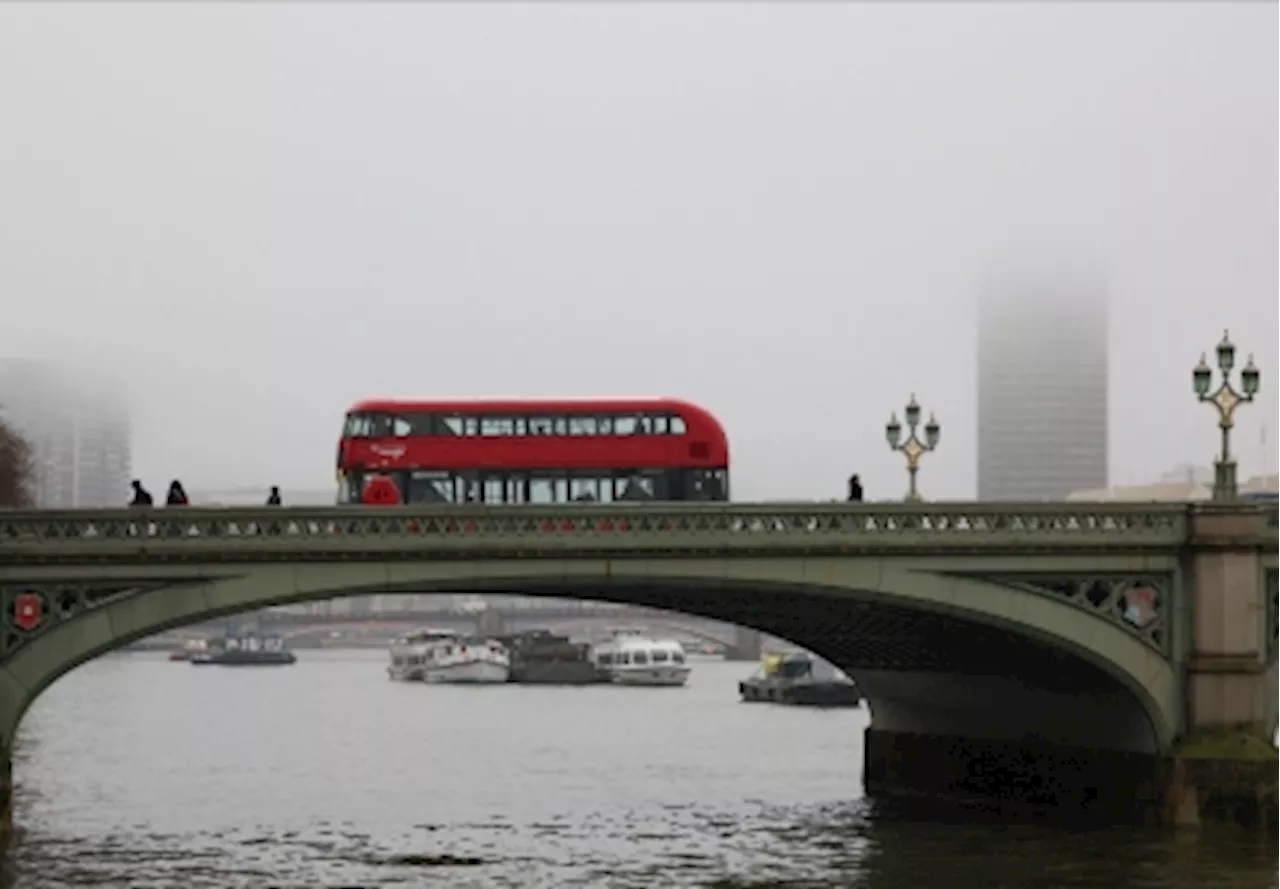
582	425
636	487
495	489
625	425
497	426
708	484
541	426
430	487
678	426
449	425
423	424
466	488
541	491
583	490
358	426
517	488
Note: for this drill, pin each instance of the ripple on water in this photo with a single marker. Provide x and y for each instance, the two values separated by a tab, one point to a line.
366	783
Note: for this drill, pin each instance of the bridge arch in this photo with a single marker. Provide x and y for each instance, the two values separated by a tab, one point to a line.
933	651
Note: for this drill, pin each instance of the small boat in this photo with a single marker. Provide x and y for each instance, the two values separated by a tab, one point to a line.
544	658
632	658
800	680
443	656
193	646
244	651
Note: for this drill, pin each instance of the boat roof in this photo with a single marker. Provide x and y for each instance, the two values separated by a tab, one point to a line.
629	641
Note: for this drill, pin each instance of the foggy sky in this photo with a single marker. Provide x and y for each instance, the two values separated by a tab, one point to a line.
257	214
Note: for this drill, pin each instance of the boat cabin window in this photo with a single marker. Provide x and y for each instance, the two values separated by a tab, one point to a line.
639	657
659	657
677	657
622	657
605	659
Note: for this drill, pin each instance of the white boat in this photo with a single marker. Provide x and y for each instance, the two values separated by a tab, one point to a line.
440	656
632	658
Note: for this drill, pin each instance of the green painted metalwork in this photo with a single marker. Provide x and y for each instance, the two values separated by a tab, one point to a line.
360	533
1139	603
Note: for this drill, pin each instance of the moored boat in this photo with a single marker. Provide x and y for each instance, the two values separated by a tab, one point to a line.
244	651
443	656
544	658
192	646
631	657
800	680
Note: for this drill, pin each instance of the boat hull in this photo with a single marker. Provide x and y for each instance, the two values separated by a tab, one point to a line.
243	659
666	677
557	673
476	672
801	694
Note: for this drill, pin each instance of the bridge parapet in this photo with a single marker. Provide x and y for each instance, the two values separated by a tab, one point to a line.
468	531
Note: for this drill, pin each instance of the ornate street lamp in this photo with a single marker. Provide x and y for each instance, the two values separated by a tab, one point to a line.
913	448
1226	399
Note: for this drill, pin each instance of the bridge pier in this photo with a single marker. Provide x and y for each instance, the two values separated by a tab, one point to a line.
1015	776
1224	765
746	645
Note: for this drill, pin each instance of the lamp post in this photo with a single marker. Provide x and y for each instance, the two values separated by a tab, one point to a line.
1226	399
913	448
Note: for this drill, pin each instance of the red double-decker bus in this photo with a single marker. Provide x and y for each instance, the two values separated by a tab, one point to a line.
531	451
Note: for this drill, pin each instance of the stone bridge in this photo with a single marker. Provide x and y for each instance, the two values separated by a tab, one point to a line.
1089	643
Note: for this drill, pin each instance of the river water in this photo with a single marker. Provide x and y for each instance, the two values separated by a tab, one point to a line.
133	771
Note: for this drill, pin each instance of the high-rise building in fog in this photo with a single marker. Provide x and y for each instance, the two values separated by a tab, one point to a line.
1042	384
78	431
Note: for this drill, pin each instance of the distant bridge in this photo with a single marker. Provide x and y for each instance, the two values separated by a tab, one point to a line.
734	640
596	617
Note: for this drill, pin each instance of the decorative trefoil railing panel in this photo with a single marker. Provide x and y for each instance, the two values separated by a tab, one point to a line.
187	534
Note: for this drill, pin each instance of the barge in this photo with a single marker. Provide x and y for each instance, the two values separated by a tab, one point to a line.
540	657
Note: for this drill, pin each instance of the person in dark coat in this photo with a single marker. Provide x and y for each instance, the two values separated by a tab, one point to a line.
855	489
141	496
273	499
177	496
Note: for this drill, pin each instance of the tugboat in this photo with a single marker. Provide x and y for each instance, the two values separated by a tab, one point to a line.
540	657
244	651
800	680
